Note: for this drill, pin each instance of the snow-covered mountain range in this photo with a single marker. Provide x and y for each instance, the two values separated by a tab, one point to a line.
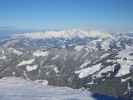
99	61
63	34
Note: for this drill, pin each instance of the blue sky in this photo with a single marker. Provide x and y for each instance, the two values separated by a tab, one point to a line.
113	15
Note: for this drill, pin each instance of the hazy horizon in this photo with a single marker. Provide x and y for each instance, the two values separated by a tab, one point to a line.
37	15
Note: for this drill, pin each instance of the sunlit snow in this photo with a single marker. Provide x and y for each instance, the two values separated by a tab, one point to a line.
26	62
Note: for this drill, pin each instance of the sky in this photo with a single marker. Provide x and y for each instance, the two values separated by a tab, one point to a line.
109	15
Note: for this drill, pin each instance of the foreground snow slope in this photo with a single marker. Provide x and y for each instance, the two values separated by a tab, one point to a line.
20	89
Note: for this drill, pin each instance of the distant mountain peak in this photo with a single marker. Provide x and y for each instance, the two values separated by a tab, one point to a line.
64	34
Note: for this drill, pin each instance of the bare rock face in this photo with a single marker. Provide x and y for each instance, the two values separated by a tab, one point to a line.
131	69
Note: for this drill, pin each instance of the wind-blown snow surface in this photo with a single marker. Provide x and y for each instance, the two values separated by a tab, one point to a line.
20	89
